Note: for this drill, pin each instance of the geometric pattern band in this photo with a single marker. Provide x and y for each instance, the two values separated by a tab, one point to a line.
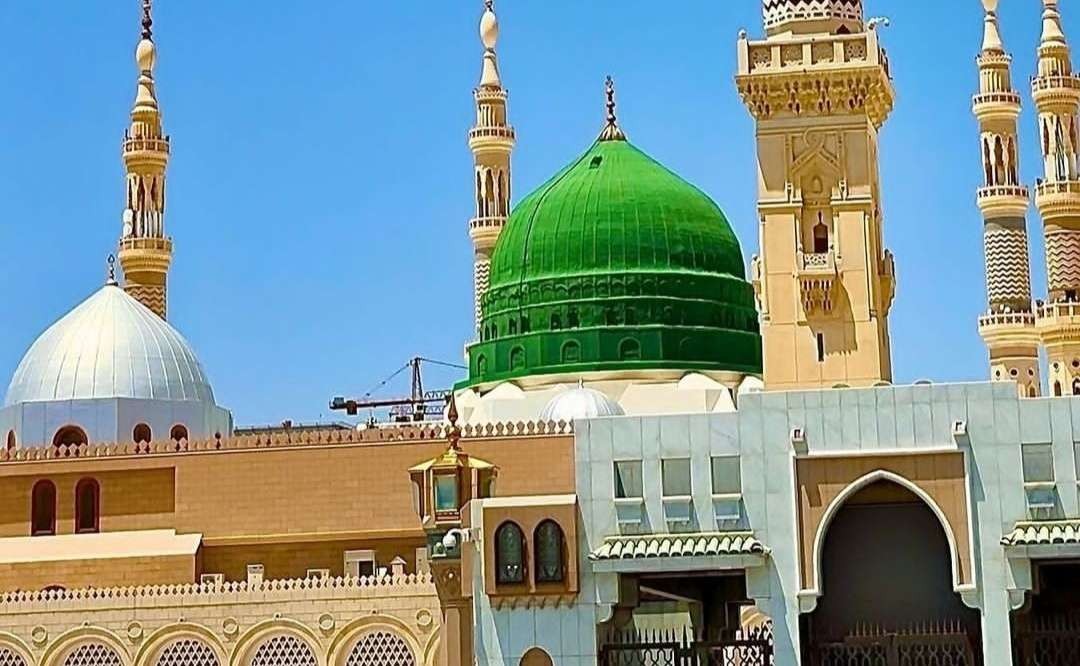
9	657
1063	260
481	282
188	652
381	648
152	296
776	12
1008	279
93	654
284	650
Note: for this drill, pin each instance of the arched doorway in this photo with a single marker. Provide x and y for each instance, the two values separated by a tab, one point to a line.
888	588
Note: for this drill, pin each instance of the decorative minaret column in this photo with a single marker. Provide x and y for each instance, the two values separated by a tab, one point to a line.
145	251
1008	327
819	88
1056	90
492	142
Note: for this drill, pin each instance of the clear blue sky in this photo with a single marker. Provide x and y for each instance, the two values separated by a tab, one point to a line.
320	185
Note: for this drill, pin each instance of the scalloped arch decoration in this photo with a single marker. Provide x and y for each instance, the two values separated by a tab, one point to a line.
381	648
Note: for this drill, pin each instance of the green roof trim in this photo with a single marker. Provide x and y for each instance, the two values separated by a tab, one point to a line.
616	263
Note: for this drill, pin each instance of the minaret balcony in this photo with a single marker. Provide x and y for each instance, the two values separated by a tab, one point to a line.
484	231
1056	89
994	105
145	145
502	138
1058	198
1055	320
998	201
818	275
999	329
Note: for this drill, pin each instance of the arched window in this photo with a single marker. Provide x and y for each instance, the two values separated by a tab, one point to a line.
187	652
178	433
70	436
572	318
550	555
481	365
87	506
629	350
536	657
11	441
381	648
142	433
1076	386
93	654
1057	389
9	657
556	321
571	351
821	237
517	358
509	555
43	509
284	650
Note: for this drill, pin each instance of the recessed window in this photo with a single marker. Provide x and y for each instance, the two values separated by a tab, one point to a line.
1038	462
446	493
726	475
596	162
360	563
87	506
509	555
178	433
11	441
142	433
550	546
821	347
676	477
43	509
70	436
628	480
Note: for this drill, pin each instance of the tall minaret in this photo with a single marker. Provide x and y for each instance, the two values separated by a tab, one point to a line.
1056	90
145	251
492	142
819	88
1008	327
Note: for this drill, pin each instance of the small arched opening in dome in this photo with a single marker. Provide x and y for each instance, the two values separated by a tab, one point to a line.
517	358
629	350
572	319
43	509
142	434
70	436
12	440
481	365
87	506
556	321
571	351
178	433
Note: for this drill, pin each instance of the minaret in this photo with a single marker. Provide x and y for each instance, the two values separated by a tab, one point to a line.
492	142
1056	90
1008	327
145	251
819	88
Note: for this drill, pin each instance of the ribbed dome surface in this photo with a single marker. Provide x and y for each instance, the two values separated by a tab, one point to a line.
110	346
616	265
615	209
579	403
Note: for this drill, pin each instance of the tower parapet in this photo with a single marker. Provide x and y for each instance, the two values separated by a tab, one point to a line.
145	251
492	142
1056	91
819	88
1008	326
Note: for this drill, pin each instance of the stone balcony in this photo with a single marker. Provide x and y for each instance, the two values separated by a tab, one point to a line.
1058	198
1055	89
484	231
818	275
998	201
1058	316
1009	329
997	105
502	138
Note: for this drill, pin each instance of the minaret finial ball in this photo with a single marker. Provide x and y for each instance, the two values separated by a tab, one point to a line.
990	5
489	26
146	52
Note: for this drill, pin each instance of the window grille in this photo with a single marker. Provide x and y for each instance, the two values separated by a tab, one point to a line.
187	652
93	654
9	657
381	648
284	650
550	549
509	555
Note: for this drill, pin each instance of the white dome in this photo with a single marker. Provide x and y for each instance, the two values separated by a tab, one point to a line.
579	403
110	346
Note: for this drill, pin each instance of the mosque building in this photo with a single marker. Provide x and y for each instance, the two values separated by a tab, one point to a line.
664	453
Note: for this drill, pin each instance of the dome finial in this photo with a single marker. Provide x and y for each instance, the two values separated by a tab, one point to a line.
110	271
489	36
612	131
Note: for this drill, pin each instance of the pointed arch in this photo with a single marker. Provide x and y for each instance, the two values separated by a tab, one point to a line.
87	506
43	508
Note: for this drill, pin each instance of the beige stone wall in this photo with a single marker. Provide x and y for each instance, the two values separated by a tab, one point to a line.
76	574
231	622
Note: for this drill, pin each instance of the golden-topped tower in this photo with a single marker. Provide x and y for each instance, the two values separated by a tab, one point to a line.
145	251
492	143
1056	90
819	88
1008	327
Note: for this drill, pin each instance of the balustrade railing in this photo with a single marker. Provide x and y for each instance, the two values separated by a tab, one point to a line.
747	647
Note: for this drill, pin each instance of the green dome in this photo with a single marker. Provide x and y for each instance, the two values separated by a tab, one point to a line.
616	264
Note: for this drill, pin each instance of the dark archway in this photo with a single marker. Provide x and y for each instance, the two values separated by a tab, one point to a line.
886	575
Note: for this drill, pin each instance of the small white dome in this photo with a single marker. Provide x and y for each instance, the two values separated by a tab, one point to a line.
580	403
110	346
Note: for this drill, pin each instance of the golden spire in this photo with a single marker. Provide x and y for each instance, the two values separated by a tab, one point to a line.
991	32
489	36
145	251
612	131
1052	34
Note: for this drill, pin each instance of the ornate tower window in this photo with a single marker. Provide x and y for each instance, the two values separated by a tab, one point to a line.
509	555
93	654
381	648
188	652
550	556
43	509
70	436
142	433
284	650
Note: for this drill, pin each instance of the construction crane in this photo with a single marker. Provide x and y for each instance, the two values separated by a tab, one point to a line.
416	407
